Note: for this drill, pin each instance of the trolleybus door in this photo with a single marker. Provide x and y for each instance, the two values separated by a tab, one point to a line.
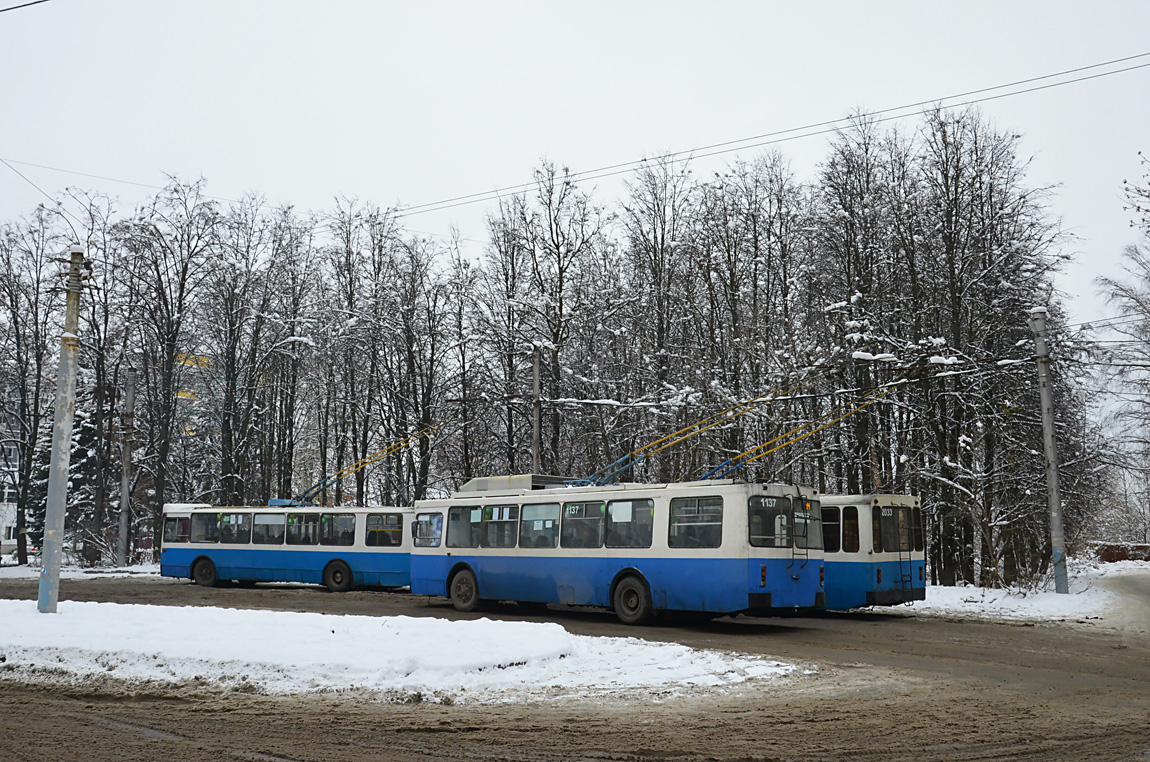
905	545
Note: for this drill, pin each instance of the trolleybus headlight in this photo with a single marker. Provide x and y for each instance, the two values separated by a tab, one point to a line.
879	572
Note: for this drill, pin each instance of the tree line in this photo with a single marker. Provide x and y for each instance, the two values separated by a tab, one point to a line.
275	347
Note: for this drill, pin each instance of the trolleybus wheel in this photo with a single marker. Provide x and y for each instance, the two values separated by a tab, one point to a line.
631	602
204	573
464	591
337	577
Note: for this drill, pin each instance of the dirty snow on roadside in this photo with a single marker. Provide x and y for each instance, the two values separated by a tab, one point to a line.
399	657
1088	598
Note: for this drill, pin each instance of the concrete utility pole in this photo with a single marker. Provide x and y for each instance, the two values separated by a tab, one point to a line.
61	439
536	422
1046	396
127	418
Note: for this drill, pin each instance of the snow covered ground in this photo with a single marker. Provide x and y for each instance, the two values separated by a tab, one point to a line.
1089	597
404	658
398	658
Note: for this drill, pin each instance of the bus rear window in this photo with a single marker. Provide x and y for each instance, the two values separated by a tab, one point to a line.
582	525
539	526
302	528
427	530
176	529
385	530
892	529
205	527
236	528
268	529
809	528
337	529
770	521
696	522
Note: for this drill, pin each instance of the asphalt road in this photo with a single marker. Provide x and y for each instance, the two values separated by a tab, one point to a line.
884	686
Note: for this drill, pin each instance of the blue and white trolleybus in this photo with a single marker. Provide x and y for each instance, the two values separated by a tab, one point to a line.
337	547
874	550
718	547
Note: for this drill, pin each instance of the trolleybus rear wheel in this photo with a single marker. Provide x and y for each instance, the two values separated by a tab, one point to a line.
464	591
631	602
337	577
204	573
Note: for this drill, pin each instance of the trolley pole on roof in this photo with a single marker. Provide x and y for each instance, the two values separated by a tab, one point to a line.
127	416
61	439
1046	396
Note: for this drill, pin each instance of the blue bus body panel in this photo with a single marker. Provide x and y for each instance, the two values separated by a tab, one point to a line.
850	584
686	584
388	569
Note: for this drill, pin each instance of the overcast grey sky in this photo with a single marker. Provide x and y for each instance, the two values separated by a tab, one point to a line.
417	102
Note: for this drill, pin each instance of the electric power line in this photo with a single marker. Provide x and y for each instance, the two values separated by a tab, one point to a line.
829	126
23	5
713	149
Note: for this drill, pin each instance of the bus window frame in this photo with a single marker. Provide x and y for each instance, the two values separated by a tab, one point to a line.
241	538
327	523
388	525
434	523
213	536
540	532
183	531
578	523
278	538
493	531
837	524
308	520
694	539
474	514
787	513
852	542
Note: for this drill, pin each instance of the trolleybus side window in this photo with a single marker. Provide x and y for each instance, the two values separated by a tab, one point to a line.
808	524
582	525
500	525
539	526
236	528
850	529
463	526
384	529
268	529
831	530
917	517
302	528
205	527
176	529
427	530
696	522
337	529
630	523
770	521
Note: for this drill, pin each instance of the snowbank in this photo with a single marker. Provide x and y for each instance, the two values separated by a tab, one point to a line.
76	572
395	657
1087	599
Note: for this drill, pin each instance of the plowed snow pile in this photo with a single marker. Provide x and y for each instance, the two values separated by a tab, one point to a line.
396	657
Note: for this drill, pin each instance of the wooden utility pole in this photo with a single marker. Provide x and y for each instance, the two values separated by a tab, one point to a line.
61	439
1046	397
